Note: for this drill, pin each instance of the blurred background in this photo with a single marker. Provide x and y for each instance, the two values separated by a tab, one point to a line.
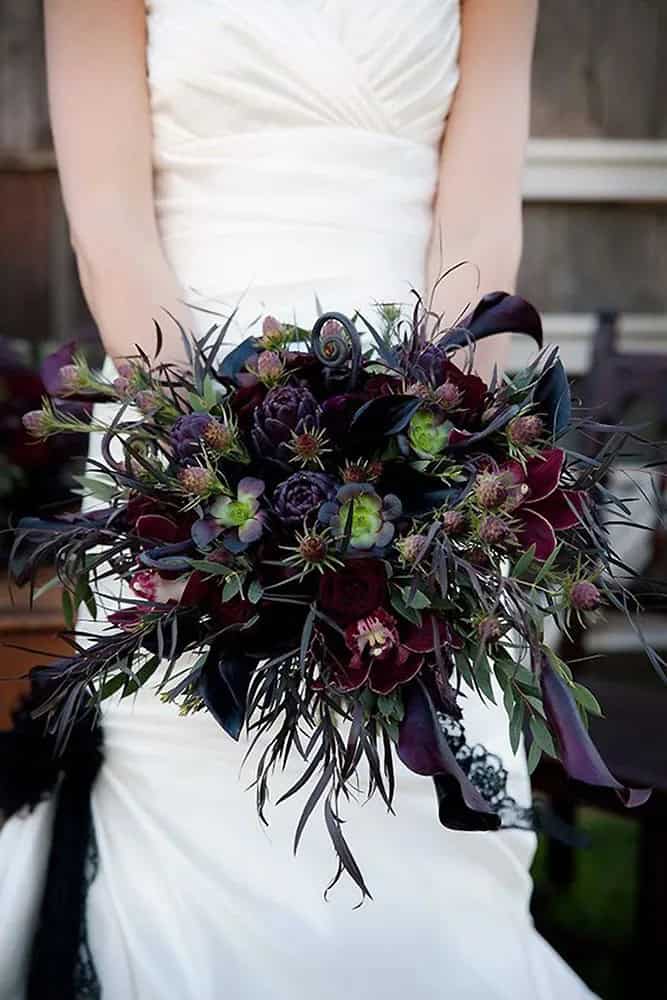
595	263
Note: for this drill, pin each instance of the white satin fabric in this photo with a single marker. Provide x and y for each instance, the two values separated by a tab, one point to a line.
296	147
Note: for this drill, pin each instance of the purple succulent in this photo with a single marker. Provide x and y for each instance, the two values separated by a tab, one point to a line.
301	495
286	411
368	515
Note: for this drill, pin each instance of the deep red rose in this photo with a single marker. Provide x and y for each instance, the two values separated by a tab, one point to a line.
354	591
337	412
244	401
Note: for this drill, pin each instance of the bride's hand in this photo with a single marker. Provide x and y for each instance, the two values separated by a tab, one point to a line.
477	215
100	116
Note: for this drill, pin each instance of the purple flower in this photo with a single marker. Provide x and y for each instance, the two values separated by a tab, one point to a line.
362	512
240	515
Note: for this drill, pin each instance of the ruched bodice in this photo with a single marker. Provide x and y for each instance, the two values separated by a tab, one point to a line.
296	147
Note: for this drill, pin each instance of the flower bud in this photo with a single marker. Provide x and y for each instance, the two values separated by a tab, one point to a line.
197	480
454	522
411	547
146	401
489	629
493	530
70	378
37	423
218	436
448	396
525	430
585	596
121	386
490	490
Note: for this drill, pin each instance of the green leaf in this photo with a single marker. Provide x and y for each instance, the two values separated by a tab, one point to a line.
418	600
399	605
231	588
542	736
102	488
141	676
523	562
547	564
68	609
255	591
112	685
212	568
587	699
516	726
534	757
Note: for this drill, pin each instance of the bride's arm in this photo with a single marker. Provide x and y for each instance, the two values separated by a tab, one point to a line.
102	132
477	214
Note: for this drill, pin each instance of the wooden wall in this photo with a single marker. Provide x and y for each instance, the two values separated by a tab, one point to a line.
600	72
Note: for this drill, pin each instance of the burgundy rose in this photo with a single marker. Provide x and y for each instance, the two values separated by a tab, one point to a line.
353	591
337	413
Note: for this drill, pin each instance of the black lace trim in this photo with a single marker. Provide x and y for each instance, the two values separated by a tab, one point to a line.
86	983
486	772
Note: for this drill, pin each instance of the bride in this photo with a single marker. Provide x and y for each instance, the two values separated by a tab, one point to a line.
270	155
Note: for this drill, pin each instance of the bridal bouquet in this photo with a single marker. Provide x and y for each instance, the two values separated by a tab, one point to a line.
347	541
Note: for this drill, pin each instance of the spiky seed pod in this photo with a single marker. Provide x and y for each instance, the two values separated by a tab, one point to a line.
313	548
454	522
411	547
146	401
493	530
362	472
37	423
585	596
489	629
188	434
448	396
490	490
217	435
197	480
526	430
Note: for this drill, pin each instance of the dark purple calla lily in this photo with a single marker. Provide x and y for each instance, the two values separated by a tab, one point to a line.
579	755
51	373
423	748
540	506
497	312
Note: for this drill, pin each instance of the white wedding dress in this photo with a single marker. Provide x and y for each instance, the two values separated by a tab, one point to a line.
296	148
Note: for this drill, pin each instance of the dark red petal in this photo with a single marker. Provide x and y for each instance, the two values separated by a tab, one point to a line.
387	673
350	676
422	747
579	755
155	526
557	511
535	530
543	473
51	365
420	638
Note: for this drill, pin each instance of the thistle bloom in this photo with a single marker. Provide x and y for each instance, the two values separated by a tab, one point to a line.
362	512
584	596
241	515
